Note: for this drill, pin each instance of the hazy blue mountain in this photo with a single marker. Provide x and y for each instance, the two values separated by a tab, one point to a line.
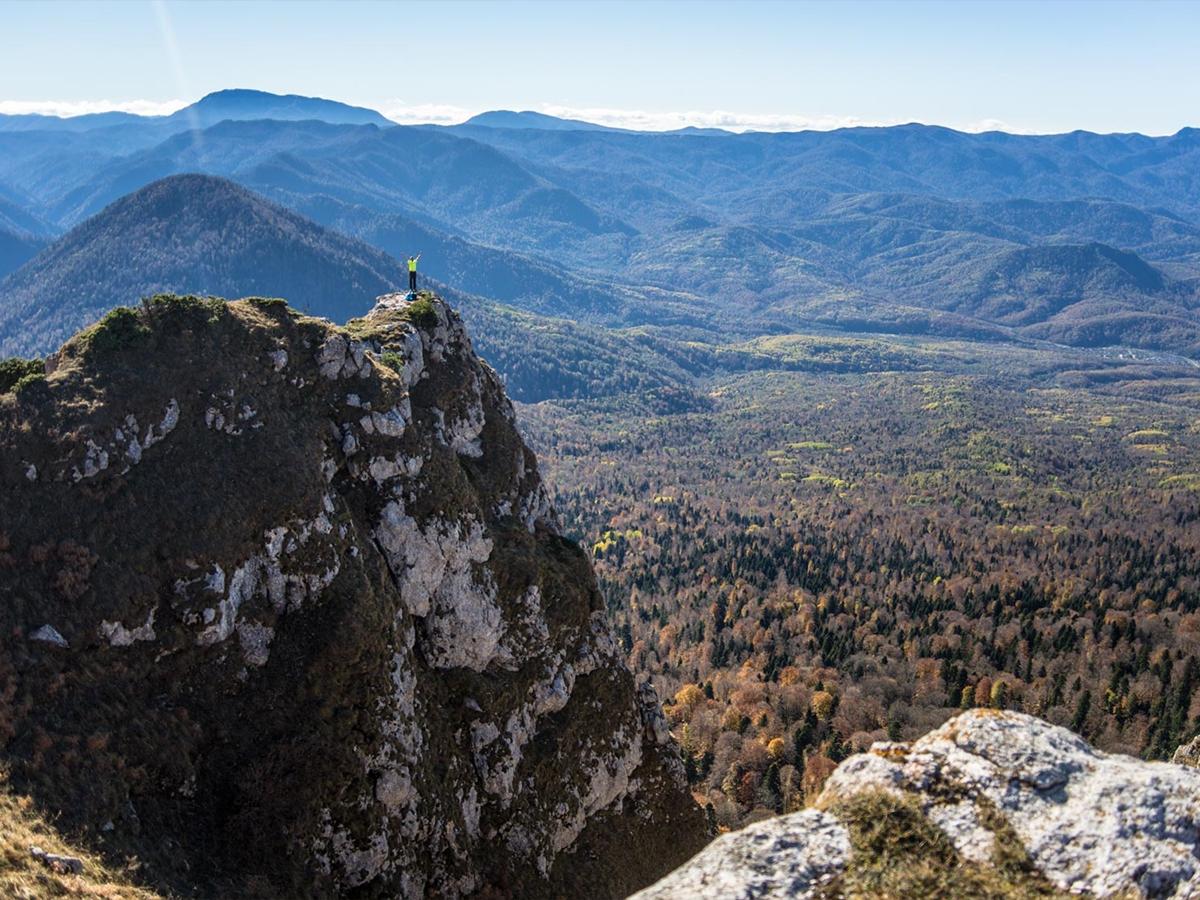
908	229
452	183
85	122
1084	294
513	278
17	248
22	235
187	234
241	104
732	171
506	118
17	219
206	235
223	149
701	132
208	110
52	155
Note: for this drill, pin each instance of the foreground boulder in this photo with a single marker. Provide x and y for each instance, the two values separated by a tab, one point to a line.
990	804
287	613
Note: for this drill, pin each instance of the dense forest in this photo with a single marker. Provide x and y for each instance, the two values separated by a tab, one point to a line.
820	561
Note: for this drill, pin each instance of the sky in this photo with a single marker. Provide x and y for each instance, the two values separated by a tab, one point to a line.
1025	67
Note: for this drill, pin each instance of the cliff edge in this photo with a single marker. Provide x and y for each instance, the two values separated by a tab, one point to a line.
287	613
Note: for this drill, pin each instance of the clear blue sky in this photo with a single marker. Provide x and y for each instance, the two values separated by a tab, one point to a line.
1023	65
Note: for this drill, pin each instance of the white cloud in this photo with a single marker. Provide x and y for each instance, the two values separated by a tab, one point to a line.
643	120
994	125
425	113
640	120
734	121
68	108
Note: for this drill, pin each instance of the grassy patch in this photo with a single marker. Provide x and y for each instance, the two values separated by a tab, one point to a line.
268	302
24	878
1146	436
28	381
14	371
1189	481
422	312
896	852
121	327
393	361
125	326
822	478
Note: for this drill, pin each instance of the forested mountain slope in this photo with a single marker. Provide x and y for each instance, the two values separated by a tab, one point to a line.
194	234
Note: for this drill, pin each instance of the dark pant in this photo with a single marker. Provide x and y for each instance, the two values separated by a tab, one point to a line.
412	281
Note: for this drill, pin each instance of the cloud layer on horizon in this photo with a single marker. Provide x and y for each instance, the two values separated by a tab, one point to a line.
69	108
644	120
448	114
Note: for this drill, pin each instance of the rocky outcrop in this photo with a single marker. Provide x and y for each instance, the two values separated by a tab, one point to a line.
789	856
288	613
1188	754
1009	795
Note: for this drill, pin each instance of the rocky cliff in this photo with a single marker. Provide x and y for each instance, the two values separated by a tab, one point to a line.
992	804
286	613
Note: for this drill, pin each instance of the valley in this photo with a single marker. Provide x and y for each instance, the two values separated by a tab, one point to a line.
829	557
858	430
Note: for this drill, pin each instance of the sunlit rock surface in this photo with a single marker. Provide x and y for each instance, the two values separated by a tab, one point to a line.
1093	823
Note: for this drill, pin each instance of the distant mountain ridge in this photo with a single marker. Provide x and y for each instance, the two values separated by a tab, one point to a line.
187	234
507	118
205	235
905	229
235	103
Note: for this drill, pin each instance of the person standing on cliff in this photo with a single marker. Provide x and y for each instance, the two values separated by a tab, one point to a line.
412	272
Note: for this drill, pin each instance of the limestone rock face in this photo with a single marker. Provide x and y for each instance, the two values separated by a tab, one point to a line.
316	628
1095	823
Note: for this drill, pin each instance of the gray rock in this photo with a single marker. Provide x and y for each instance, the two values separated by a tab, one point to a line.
1188	754
67	865
1092	822
790	856
49	634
